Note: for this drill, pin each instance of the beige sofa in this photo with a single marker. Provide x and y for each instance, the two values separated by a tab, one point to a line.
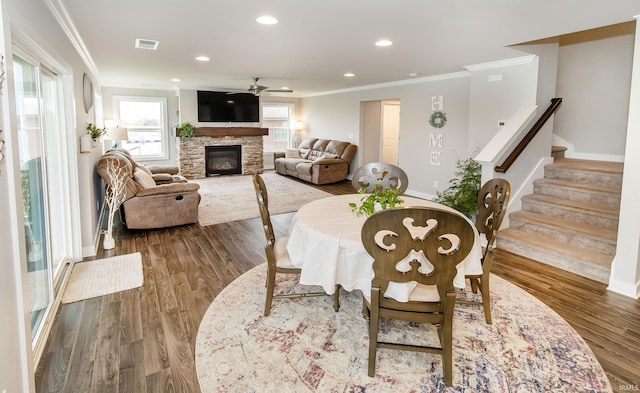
319	161
167	202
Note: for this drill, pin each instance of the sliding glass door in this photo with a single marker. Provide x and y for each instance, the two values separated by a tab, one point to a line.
42	168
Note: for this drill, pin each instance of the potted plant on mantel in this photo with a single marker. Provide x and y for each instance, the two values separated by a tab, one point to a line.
187	130
379	199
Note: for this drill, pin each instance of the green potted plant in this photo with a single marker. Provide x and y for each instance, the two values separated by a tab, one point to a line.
463	191
95	131
380	198
187	130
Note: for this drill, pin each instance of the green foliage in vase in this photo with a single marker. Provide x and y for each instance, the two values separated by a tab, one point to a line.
385	197
95	131
186	130
463	191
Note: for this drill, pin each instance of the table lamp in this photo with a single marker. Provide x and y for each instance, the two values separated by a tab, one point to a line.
116	134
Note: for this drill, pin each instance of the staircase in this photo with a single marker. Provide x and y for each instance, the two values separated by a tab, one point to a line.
571	219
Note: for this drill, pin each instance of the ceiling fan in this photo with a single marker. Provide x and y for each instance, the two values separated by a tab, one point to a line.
256	89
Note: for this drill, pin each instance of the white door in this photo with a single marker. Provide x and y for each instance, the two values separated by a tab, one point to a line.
390	132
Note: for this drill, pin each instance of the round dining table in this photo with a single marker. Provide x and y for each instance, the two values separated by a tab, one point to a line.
325	243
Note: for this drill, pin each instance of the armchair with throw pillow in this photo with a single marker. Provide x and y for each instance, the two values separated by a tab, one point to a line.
169	201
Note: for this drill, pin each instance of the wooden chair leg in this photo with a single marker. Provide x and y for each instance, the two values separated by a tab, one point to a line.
474	285
271	283
336	298
374	321
486	300
447	340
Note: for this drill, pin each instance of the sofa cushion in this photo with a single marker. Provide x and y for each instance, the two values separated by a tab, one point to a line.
304	168
329	155
336	148
318	149
141	177
305	147
291	164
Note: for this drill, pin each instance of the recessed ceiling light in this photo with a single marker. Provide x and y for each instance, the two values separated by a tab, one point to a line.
384	43
349	74
267	20
413	74
202	58
175	80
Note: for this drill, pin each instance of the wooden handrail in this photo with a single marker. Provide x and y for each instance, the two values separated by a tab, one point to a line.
555	103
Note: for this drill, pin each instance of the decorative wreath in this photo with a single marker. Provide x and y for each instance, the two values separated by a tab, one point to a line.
438	119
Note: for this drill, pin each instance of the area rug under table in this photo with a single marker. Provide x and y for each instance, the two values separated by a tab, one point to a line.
304	346
232	198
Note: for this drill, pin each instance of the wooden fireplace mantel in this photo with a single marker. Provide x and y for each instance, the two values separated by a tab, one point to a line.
227	131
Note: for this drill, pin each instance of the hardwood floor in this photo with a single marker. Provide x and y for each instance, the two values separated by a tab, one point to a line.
143	340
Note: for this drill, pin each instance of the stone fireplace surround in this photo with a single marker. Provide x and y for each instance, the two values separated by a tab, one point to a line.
191	151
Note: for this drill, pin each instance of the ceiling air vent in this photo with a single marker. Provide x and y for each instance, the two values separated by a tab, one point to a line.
146	44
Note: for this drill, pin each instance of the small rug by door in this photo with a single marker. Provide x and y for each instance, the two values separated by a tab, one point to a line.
103	276
232	198
304	346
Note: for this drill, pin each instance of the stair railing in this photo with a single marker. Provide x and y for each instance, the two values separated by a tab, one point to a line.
553	107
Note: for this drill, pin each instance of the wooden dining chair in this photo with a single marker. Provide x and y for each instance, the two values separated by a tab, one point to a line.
278	260
493	199
380	174
421	245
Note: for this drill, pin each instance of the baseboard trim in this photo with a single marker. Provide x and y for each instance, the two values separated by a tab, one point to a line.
92	250
624	288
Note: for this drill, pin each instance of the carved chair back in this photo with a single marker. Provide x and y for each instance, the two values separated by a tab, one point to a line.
379	173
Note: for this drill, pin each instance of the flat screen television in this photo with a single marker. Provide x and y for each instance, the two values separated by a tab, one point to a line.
220	106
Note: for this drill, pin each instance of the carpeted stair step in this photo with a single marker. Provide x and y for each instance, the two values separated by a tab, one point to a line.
603	173
583	192
586	263
571	233
558	151
581	212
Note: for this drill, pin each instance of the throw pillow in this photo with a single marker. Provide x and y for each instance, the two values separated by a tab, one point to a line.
141	177
291	153
144	168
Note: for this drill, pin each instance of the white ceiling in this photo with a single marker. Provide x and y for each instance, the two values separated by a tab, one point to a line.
317	41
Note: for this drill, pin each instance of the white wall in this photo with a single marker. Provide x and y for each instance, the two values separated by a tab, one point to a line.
498	90
337	116
594	78
466	96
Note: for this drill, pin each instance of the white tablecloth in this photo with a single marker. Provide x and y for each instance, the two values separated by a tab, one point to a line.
324	241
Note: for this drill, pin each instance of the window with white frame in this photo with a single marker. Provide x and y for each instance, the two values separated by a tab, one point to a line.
278	119
145	119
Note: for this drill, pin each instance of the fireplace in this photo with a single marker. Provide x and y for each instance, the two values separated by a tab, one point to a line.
223	160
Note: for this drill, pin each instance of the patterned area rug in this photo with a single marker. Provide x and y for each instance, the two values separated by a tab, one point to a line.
232	198
304	346
103	276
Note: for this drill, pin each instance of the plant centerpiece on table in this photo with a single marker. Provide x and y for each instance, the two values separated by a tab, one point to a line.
380	198
462	194
186	130
95	131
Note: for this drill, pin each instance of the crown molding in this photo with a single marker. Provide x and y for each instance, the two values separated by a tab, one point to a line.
412	81
501	63
61	15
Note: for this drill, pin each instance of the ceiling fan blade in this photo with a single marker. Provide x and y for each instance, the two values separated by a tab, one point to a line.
280	91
